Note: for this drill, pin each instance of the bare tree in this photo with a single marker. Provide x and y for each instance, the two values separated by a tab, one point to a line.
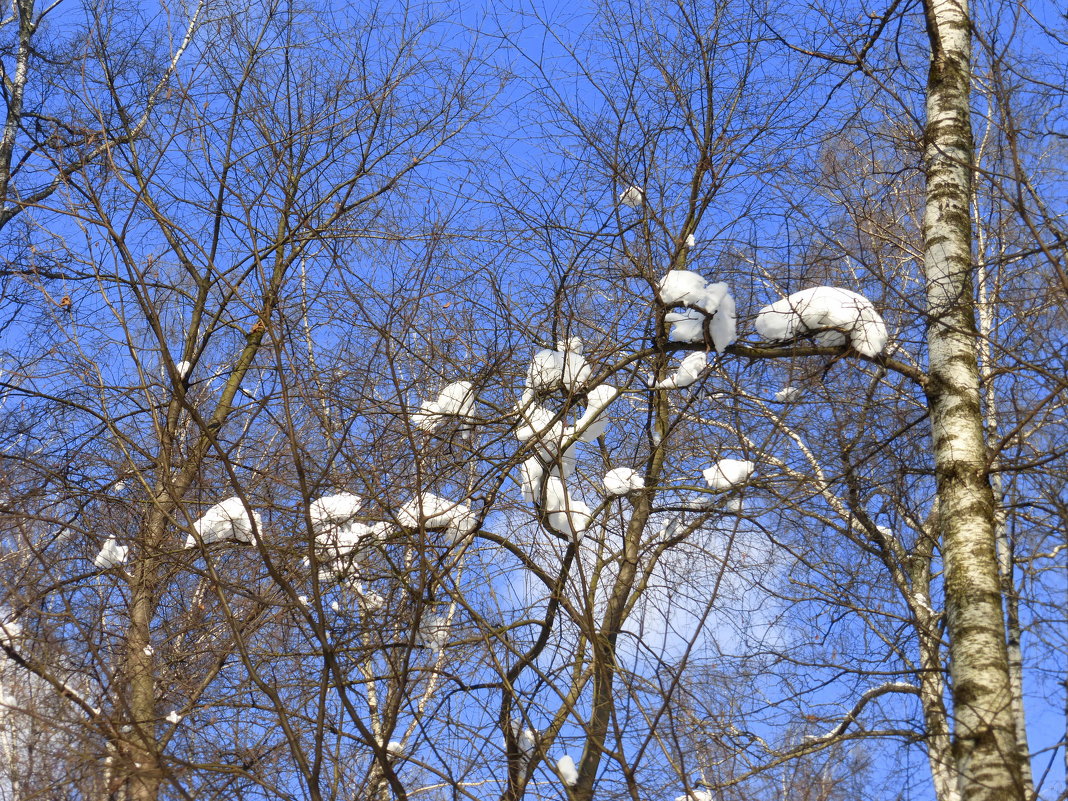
390	434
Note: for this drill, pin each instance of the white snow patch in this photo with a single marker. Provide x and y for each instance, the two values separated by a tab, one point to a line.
686	326
687	288
525	737
632	197
531	473
565	766
549	435
455	400
537	420
227	520
690	240
337	534
724	326
591	424
183	368
434	633
369	599
10	630
393	748
334	510
727	473
555	369
382	530
431	511
566	514
687	374
343	540
621	480
174	718
696	795
835	315
787	394
111	555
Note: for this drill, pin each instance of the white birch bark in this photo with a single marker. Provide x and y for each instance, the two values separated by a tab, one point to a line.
1005	548
940	757
984	735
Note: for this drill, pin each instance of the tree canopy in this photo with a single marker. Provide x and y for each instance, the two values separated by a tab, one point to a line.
635	400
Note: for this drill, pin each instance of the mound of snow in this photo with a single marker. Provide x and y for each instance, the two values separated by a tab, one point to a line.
687	288
724	327
226	520
430	512
337	533
564	368
526	738
592	424
632	197
552	442
111	555
434	633
727	473
10	630
538	421
787	394
701	299
455	400
834	315
565	766
342	541
687	326
689	371
531	473
621	480
567	515
334	510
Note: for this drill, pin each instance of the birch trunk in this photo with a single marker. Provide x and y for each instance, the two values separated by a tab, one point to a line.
984	736
944	772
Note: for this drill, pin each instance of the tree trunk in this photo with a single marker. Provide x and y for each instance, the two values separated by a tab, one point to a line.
984	737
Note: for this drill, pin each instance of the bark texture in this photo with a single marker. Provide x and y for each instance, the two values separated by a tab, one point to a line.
984	737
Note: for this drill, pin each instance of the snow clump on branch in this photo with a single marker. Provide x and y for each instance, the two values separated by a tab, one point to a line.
787	394
565	766
331	511
337	534
727	473
689	371
111	555
633	197
835	315
563	368
567	516
551	442
702	300
226	520
623	480
456	400
696	795
430	512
